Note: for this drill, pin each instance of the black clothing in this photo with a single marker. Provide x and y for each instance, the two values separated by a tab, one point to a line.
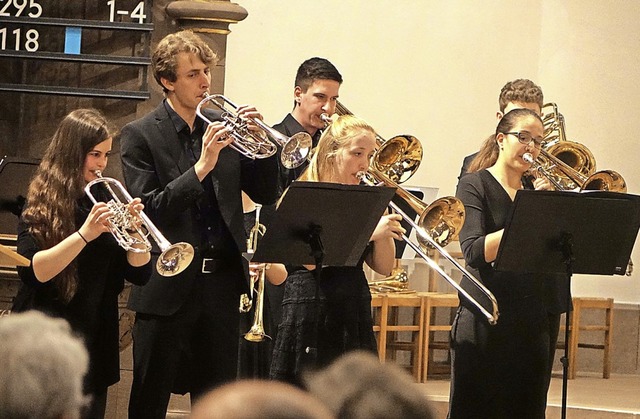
289	126
188	324
497	371
557	296
93	311
255	358
465	164
339	312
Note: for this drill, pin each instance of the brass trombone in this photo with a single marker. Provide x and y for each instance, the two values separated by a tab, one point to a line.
258	271
570	165
442	219
604	180
400	156
294	149
397	282
424	237
174	258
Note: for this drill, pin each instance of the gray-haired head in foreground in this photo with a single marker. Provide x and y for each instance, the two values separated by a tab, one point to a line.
358	386
259	399
42	368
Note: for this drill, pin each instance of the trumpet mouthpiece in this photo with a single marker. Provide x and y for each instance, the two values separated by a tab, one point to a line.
326	119
527	157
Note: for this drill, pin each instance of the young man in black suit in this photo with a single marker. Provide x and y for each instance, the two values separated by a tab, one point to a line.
315	92
185	338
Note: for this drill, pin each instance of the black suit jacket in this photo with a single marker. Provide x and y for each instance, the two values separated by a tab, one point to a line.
157	169
466	163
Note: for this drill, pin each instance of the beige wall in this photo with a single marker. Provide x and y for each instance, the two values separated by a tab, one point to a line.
434	69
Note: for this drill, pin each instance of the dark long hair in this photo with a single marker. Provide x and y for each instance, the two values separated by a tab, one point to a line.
488	154
58	183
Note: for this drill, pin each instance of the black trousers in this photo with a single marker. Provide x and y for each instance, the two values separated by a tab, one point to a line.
193	350
500	372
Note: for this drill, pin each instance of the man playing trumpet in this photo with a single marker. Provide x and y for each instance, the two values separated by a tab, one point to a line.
185	337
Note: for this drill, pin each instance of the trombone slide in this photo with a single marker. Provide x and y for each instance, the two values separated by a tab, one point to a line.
492	316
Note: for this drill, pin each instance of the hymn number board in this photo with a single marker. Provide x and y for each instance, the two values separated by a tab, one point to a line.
75	40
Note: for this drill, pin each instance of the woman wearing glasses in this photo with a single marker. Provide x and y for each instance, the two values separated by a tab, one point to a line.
500	371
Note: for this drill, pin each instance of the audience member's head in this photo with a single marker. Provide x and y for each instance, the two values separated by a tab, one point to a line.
358	386
42	368
259	399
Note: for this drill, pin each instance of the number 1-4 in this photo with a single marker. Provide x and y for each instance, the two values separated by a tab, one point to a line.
136	13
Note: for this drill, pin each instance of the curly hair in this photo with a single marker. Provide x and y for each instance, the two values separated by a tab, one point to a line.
337	136
164	61
50	209
520	90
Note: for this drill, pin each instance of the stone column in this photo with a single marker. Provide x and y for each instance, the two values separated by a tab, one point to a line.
211	20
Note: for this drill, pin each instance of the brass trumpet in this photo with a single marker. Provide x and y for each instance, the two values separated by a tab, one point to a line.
258	271
174	258
294	149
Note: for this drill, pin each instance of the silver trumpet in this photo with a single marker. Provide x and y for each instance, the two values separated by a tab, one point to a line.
294	149
258	272
174	258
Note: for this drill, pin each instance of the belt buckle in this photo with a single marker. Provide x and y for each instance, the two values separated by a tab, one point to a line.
204	264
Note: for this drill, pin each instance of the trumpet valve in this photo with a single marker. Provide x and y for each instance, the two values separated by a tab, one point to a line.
245	304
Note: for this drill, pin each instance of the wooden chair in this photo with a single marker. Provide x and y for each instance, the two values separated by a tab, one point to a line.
388	320
9	280
576	325
431	302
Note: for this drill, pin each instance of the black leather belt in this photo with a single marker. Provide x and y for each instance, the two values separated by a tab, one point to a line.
210	265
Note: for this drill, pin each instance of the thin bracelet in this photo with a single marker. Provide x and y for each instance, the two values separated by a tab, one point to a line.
82	237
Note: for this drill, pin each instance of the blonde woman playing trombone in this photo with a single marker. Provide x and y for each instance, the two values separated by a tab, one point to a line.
338	318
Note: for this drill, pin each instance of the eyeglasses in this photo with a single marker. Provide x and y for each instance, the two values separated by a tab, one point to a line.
525	138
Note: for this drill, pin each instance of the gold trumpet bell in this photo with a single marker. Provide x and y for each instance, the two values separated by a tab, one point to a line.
399	157
442	221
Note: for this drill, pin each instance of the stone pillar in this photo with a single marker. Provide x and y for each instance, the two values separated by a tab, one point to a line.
211	20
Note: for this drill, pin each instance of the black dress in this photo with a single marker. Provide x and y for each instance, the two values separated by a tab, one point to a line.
316	328
497	371
93	311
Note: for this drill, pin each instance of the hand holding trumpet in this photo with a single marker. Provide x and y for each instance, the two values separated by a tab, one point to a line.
215	138
97	222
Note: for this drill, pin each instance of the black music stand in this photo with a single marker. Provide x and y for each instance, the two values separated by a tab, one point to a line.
569	232
15	176
322	224
329	221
